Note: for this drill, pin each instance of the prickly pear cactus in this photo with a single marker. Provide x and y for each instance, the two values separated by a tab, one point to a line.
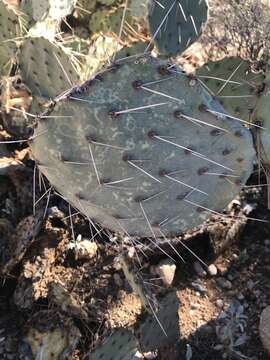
162	329
260	117
40	9
233	83
10	29
108	21
141	149
61	8
175	25
120	345
46	68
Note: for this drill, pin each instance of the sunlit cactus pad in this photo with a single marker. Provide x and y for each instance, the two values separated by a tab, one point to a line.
176	24
140	150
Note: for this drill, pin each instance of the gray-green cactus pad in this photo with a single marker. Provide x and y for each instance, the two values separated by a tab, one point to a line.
261	118
45	68
234	85
176	24
138	150
162	329
121	345
10	29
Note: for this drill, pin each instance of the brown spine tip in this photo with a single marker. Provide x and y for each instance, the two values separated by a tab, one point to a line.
202	108
90	138
203	170
182	196
127	157
163	172
163	70
215	132
226	152
112	114
137	84
151	134
177	114
238	133
189	150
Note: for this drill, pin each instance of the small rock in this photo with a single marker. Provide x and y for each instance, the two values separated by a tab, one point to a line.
264	328
240	297
118	280
166	270
219	303
224	283
250	284
233	274
198	287
222	269
212	270
267	242
199	269
85	249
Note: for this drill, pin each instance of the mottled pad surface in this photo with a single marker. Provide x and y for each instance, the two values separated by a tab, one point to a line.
140	151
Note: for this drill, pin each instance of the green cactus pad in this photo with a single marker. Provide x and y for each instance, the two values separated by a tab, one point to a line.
121	345
108	21
40	9
45	68
163	329
108	2
260	117
138	150
10	30
234	85
138	8
175	25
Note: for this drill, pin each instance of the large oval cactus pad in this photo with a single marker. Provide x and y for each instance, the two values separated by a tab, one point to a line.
138	151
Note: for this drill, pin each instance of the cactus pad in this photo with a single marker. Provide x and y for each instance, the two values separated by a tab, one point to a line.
45	68
260	117
162	329
10	29
139	149
120	345
61	8
175	25
234	85
40	9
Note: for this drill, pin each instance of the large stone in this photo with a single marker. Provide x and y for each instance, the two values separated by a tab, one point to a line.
265	328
